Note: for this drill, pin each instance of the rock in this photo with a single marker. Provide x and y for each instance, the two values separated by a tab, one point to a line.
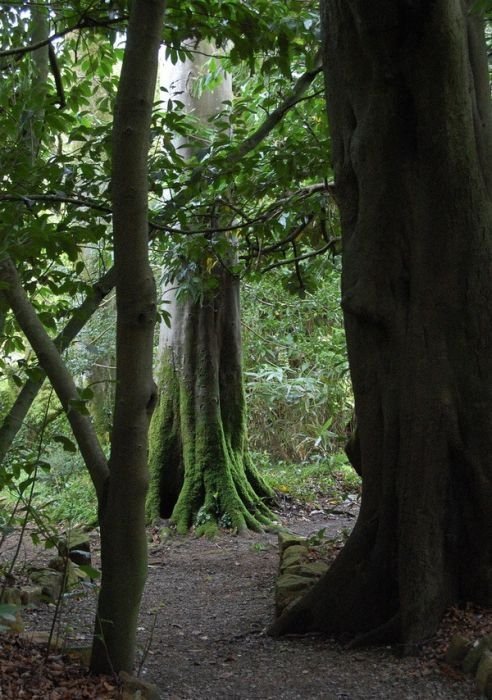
50	582
474	655
10	619
288	588
311	569
136	689
293	556
81	654
43	637
74	540
80	557
458	648
31	594
484	671
287	539
11	596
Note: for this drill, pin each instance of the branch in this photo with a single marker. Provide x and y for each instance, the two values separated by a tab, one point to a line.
55	69
84	23
295	233
60	378
312	254
251	142
76	201
302	84
14	419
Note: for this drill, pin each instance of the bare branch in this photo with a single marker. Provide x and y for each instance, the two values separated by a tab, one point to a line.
84	23
312	254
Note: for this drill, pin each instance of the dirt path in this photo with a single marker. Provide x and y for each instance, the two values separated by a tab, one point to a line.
212	601
202	630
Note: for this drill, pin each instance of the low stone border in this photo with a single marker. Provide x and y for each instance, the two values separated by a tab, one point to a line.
300	567
473	658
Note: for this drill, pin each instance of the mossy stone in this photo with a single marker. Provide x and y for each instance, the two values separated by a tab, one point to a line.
287	539
293	556
484	671
473	657
288	588
458	648
11	596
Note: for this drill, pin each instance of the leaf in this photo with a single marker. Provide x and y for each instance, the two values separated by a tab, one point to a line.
89	571
66	443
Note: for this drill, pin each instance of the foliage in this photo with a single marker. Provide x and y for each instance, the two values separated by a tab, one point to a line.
298	388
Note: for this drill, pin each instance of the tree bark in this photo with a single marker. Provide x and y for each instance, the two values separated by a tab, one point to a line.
122	510
201	471
409	111
202	474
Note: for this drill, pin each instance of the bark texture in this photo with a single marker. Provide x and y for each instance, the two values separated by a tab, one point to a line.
201	471
122	508
409	110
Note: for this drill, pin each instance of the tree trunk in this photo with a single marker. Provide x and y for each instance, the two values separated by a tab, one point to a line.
201	471
122	509
409	110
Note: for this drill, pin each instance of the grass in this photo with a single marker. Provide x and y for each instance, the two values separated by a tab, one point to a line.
332	478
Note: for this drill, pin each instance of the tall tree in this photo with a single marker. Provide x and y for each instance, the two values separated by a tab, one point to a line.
121	484
122	506
201	471
409	110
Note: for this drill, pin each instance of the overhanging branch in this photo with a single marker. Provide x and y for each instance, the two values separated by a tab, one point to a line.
60	378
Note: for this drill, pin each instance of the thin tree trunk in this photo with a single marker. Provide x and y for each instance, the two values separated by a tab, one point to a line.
122	511
409	112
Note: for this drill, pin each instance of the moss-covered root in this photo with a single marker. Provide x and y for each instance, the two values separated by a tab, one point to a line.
222	498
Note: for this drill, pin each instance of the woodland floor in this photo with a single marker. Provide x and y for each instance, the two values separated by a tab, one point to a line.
202	632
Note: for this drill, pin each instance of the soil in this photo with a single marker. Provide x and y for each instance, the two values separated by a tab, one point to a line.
206	608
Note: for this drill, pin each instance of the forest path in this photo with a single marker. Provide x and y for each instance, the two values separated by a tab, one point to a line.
208	603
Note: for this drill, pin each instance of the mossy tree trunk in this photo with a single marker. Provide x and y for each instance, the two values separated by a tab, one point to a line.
409	109
201	471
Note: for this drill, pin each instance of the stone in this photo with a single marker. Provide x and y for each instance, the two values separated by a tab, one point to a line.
81	654
11	621
136	689
50	582
31	595
474	655
458	648
288	588
311	570
287	539
483	675
11	596
293	556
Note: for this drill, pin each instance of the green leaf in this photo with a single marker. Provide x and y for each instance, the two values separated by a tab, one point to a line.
66	443
89	571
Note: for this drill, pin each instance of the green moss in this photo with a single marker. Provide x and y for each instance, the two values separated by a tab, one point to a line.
200	427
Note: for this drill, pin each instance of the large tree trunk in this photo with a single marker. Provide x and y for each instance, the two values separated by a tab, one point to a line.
409	112
201	471
122	508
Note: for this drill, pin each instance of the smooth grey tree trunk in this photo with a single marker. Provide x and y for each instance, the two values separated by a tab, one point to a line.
201	472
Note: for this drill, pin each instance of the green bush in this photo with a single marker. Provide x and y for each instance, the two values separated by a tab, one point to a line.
297	384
